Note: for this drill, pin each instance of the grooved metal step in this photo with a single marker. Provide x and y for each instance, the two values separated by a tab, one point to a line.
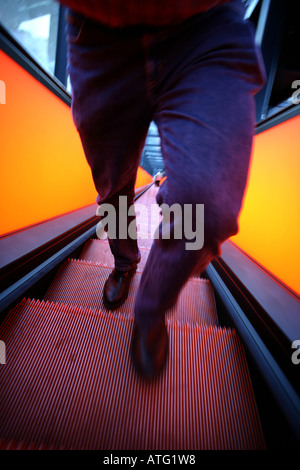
68	382
98	251
80	283
15	445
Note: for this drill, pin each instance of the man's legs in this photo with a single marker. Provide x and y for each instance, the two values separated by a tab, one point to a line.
112	114
199	78
207	73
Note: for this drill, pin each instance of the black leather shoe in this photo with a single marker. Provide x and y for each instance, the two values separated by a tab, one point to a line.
116	288
149	349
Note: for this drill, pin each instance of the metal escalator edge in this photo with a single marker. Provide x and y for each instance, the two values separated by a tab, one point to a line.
13	293
272	375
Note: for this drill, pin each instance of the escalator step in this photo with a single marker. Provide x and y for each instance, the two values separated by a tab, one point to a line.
22	445
68	382
80	283
98	251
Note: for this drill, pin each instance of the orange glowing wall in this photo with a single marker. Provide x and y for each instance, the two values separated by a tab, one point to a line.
270	221
143	178
43	171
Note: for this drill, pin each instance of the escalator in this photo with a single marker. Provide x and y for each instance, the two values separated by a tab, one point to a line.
68	382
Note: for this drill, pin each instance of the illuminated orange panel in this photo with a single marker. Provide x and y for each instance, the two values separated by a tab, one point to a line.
43	171
269	221
142	178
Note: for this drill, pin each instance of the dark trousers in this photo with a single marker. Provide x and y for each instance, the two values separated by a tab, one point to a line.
196	81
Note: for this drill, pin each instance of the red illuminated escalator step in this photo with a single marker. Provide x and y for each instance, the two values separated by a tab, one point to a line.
22	445
80	283
98	251
68	382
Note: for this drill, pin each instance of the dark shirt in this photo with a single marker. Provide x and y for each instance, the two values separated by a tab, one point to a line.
120	13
